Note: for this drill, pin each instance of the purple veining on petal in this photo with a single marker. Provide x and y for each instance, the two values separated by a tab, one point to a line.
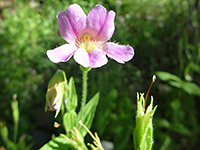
65	27
61	54
96	19
120	53
77	18
108	27
97	58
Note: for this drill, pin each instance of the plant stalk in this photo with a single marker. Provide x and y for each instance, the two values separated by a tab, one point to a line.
84	94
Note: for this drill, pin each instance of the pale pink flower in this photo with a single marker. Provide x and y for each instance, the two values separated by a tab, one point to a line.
87	37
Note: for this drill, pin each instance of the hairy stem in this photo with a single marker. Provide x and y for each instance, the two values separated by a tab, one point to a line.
84	94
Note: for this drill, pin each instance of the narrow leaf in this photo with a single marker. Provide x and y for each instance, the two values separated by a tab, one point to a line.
70	119
71	100
170	78
88	114
189	87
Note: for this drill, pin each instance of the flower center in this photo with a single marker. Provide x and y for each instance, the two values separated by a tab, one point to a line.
88	44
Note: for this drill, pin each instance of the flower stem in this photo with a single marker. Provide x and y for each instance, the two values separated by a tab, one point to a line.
84	94
84	88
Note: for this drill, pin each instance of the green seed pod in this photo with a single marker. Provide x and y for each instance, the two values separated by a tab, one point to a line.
143	132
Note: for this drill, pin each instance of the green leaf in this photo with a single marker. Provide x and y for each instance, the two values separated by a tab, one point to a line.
163	123
189	87
71	99
58	143
11	145
70	120
88	114
72	141
181	129
4	132
170	78
21	144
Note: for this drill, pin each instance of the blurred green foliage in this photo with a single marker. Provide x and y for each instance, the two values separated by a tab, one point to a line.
15	143
166	37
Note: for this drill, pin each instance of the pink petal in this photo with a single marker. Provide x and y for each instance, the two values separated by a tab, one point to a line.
97	58
96	19
119	53
108	28
61	54
82	57
66	30
76	17
101	23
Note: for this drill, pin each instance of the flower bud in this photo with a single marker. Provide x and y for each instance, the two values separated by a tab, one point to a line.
55	92
143	132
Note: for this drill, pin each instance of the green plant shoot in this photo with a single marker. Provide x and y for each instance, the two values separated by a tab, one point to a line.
143	132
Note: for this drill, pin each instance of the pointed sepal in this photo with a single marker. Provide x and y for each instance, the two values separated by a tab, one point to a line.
143	132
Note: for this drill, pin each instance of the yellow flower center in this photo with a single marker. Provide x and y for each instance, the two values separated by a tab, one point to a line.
88	44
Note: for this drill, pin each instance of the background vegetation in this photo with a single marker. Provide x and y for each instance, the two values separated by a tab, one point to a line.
166	37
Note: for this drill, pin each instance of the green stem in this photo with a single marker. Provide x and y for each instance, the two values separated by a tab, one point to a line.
84	94
15	111
15	132
62	109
